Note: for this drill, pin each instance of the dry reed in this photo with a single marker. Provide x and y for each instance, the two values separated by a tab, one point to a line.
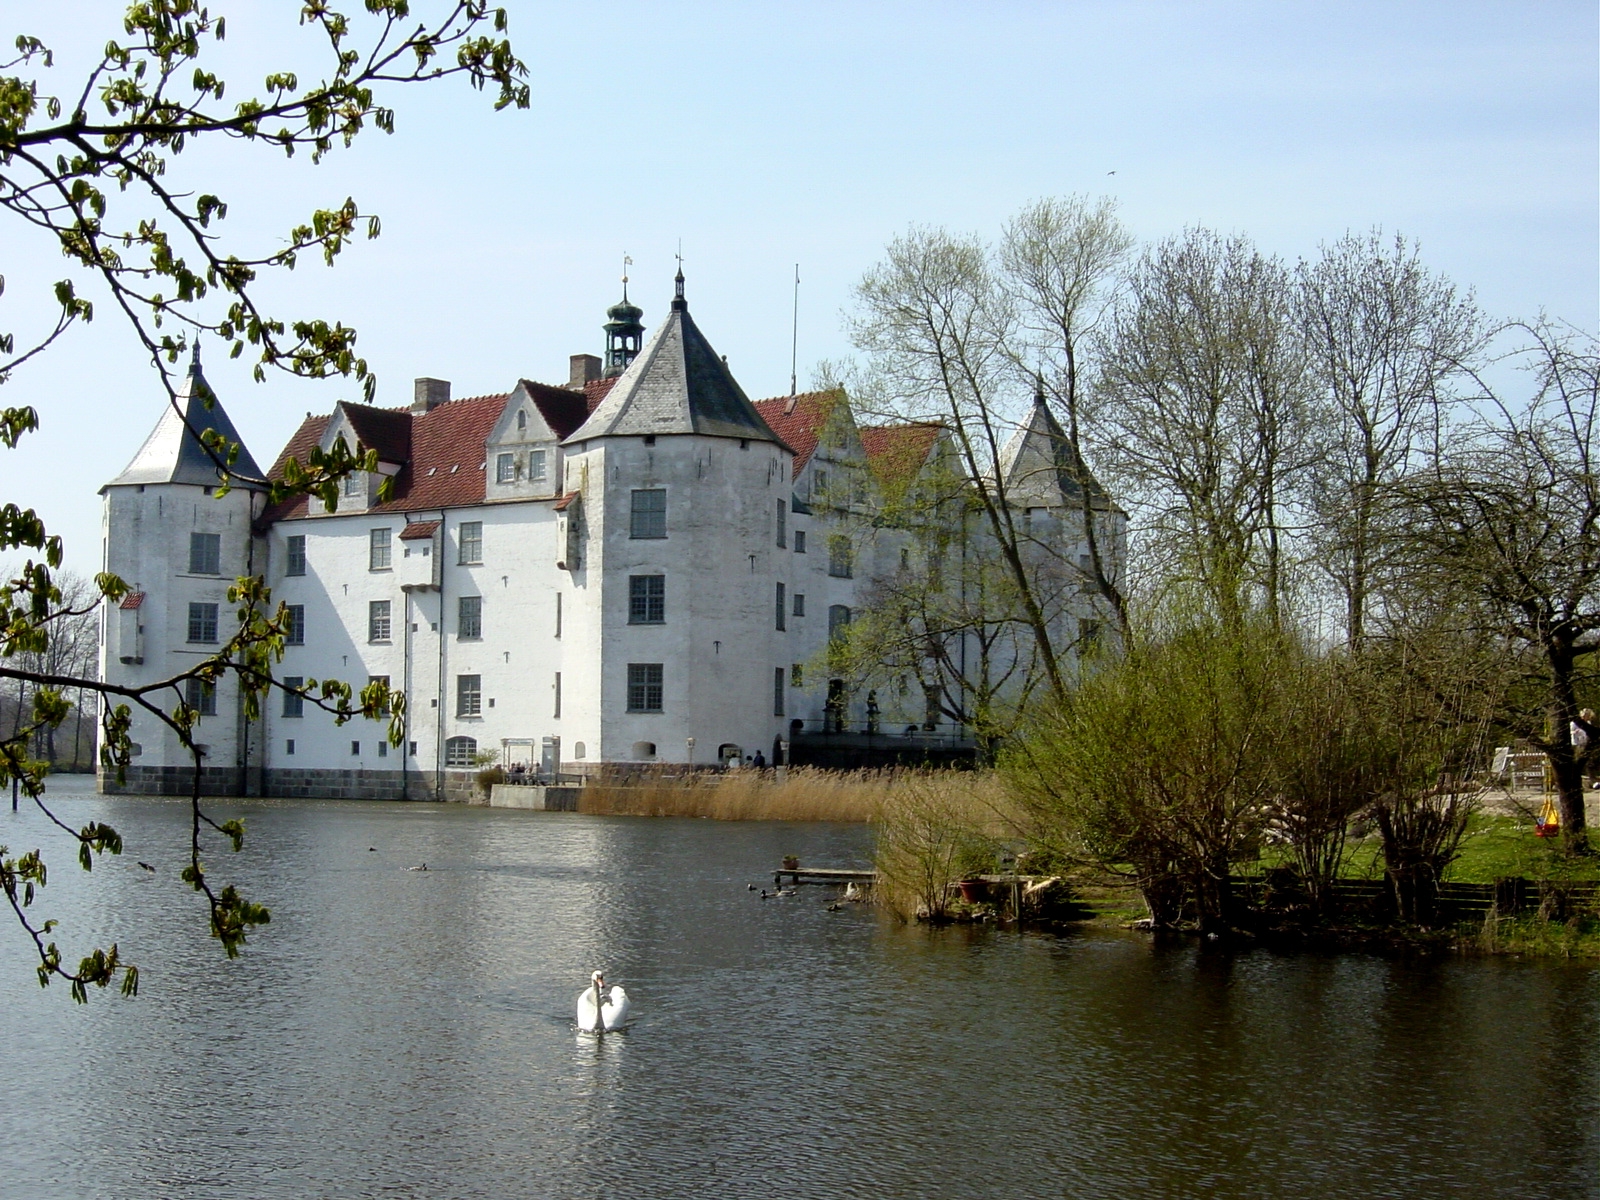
805	794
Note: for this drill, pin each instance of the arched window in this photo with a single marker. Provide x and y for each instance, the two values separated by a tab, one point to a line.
460	751
579	750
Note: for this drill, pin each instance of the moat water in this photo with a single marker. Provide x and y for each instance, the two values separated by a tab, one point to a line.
401	1033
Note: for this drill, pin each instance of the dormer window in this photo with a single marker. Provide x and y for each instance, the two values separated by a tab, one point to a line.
522	419
505	468
352	484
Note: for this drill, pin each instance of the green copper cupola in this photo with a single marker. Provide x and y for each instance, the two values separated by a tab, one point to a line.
624	333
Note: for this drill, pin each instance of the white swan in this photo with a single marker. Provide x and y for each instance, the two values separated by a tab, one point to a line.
600	1011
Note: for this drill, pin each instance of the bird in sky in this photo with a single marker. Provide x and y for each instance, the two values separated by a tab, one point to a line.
1110	172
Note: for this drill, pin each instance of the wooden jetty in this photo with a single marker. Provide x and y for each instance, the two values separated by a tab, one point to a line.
801	875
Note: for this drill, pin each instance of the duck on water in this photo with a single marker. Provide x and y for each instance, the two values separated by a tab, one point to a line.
600	1011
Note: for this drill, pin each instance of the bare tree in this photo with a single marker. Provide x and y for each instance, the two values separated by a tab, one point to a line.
1383	336
1200	402
1504	526
1061	260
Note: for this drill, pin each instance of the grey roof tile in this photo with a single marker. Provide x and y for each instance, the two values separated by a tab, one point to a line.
173	454
677	384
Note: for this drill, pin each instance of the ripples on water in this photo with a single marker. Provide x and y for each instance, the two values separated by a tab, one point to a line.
400	1033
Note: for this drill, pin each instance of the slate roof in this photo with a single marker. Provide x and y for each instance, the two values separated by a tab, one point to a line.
677	384
173	453
1040	465
798	420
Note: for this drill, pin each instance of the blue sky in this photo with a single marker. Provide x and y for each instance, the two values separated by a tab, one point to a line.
768	134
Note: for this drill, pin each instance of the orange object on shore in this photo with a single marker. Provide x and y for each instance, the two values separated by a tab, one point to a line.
1549	822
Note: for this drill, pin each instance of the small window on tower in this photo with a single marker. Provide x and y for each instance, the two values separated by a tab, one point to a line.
205	553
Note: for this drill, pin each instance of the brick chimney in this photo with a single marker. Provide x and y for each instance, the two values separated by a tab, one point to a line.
428	394
585	369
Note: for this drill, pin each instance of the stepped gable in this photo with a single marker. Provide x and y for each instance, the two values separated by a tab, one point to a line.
562	408
677	384
896	453
173	453
1040	466
798	420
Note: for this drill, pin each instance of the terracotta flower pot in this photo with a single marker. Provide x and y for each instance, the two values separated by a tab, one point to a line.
972	890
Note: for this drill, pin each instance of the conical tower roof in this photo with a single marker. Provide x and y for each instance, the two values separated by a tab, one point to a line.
678	384
173	454
1040	466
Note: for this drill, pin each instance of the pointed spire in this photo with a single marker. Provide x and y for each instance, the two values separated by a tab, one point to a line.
679	304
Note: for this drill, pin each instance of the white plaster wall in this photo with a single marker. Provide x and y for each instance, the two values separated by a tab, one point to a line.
146	531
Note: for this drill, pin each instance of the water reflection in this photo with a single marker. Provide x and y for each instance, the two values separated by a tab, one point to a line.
409	1033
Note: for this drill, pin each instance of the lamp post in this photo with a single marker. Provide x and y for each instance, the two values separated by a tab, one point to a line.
688	743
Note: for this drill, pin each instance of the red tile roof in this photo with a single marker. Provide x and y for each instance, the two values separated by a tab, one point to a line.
444	465
595	391
132	600
417	530
562	408
798	420
565	501
897	452
386	430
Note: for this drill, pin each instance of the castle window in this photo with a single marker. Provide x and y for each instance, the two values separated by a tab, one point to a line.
383	748
781	610
841	564
296	557
522	419
205	553
777	691
469	695
649	513
505	468
297	624
288	746
460	751
1089	634
355	748
536	464
799	541
294	704
557	690
378	621
471	542
799	604
200	696
378	552
838	621
352	483
469	617
202	623
647	599
783	524
644	687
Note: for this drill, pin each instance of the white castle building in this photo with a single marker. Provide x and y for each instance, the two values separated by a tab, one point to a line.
640	566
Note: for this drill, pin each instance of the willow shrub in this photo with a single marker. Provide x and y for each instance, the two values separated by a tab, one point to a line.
1164	764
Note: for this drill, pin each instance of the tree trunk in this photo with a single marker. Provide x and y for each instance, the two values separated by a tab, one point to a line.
1564	764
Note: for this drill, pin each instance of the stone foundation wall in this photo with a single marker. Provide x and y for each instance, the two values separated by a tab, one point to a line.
460	787
169	781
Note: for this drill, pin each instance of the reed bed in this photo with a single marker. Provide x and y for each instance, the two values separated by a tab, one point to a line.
805	794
